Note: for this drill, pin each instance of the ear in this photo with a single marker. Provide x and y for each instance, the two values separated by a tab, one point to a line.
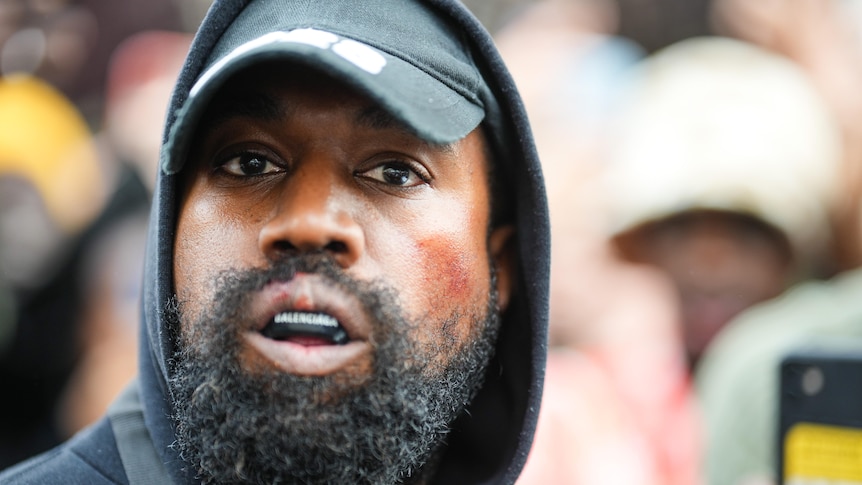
501	246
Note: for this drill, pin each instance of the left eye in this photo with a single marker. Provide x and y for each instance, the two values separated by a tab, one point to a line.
249	164
396	173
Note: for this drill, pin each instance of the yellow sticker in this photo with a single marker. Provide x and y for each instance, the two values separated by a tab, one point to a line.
823	454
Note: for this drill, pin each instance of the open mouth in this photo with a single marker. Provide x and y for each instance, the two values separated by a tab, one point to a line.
306	328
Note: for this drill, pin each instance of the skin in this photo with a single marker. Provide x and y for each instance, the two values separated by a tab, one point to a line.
337	175
721	263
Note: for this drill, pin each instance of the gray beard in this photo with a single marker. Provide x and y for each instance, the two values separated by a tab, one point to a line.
233	426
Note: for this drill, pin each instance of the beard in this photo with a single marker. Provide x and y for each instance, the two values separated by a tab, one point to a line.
271	427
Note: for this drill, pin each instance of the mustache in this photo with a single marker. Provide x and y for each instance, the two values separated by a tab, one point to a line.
235	288
317	263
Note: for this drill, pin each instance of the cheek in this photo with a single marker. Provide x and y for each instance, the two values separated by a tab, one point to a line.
207	242
446	267
450	279
189	266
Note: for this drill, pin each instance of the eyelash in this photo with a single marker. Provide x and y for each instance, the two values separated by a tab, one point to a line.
414	168
244	156
274	167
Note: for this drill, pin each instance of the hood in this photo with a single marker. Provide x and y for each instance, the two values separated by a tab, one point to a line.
490	443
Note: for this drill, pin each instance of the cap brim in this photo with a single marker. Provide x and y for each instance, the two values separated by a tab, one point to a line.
435	112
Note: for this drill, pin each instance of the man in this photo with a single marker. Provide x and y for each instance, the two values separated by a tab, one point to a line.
341	284
724	169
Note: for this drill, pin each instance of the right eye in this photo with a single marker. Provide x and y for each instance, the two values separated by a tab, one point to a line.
249	165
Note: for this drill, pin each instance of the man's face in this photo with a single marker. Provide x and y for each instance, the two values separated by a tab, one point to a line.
336	251
722	263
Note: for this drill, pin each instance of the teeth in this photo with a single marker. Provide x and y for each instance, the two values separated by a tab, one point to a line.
291	324
321	319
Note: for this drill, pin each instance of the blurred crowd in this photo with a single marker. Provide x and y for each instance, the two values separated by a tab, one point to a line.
84	86
703	169
703	161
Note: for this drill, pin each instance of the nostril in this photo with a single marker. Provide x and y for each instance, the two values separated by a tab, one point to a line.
283	246
337	247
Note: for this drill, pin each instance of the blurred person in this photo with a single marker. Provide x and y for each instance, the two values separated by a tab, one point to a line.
822	37
7	315
656	24
141	75
110	275
571	73
617	406
738	378
586	433
58	47
44	138
92	360
68	43
33	243
52	187
49	40
724	170
31	383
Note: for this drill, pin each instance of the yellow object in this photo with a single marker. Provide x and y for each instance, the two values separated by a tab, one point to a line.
44	139
823	454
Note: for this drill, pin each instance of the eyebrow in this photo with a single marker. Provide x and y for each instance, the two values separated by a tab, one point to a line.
375	117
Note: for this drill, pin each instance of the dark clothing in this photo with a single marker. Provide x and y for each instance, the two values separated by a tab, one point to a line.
490	442
36	365
90	458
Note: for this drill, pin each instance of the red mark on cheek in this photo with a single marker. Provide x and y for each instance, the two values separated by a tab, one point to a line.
448	273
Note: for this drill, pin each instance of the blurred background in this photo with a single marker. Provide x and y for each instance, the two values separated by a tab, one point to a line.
703	166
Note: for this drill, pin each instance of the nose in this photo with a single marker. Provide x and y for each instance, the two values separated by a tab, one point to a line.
311	216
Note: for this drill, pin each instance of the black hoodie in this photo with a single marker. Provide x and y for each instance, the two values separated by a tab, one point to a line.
489	444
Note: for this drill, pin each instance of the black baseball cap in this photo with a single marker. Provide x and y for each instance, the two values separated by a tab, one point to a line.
399	53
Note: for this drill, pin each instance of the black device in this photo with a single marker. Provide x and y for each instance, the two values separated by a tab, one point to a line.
820	417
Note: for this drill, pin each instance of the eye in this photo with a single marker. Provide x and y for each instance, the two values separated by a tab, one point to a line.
249	165
397	173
